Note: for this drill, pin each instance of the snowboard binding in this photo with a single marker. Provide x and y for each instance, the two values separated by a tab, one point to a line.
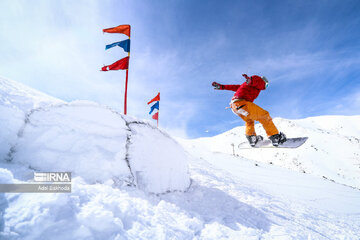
253	139
278	139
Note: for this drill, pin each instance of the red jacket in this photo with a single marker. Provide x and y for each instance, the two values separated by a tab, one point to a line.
249	90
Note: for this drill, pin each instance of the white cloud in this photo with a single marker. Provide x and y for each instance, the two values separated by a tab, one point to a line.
304	67
348	105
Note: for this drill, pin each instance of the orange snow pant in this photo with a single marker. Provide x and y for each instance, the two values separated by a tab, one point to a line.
250	112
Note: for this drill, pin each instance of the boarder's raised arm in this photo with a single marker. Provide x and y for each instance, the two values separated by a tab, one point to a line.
218	86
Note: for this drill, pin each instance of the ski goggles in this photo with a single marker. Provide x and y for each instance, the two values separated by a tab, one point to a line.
265	80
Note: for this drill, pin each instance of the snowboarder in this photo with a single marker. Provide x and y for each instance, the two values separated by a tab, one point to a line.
243	106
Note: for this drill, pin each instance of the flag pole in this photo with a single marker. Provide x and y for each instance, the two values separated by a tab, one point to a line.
158	112
126	84
126	81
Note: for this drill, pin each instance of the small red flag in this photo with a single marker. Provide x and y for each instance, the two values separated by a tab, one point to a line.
156	116
122	64
157	98
125	29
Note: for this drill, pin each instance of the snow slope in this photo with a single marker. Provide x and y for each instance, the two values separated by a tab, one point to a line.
16	100
230	197
332	150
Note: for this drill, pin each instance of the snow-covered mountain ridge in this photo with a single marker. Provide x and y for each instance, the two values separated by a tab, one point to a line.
331	152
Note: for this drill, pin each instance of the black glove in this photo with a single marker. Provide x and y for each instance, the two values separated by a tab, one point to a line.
248	79
216	85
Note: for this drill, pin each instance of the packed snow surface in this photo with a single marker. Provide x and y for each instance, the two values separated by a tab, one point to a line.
120	163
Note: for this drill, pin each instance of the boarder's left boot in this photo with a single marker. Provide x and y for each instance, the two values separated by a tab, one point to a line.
253	139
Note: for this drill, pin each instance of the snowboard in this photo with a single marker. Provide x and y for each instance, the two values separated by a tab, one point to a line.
266	143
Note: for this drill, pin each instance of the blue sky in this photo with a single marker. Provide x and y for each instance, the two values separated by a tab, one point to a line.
309	51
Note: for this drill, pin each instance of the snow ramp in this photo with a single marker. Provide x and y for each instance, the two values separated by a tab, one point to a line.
99	144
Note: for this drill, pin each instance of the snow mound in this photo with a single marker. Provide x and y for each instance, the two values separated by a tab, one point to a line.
158	161
99	144
91	141
84	139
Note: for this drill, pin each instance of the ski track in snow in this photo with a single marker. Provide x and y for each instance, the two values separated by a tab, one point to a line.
245	207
